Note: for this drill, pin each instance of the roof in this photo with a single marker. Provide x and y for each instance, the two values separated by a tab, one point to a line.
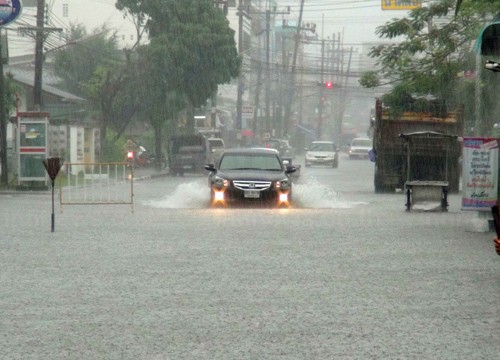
48	89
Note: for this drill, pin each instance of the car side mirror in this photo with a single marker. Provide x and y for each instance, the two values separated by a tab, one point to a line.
290	169
210	167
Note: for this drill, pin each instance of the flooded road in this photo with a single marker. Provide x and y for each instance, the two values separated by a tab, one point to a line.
342	274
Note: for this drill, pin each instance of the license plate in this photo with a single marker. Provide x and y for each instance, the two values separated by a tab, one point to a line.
252	193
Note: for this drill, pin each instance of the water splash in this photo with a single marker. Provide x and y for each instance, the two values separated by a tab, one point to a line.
311	194
315	195
194	194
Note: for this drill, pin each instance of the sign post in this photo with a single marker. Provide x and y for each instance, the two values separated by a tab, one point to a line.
53	165
480	173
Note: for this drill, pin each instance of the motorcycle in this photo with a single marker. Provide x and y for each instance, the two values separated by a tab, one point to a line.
147	159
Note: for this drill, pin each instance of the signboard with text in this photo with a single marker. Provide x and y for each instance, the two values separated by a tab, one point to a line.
480	173
401	4
32	146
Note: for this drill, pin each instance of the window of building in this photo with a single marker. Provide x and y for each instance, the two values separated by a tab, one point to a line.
65	10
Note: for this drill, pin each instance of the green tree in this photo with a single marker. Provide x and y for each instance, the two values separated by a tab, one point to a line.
191	51
93	67
159	103
432	48
83	54
197	44
9	89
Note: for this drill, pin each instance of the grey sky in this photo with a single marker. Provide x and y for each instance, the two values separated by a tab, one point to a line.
355	19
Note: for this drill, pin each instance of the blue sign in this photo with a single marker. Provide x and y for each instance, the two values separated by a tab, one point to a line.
9	11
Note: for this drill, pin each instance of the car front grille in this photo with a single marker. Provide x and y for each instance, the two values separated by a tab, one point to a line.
252	185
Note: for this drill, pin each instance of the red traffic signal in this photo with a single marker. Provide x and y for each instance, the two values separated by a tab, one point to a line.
329	85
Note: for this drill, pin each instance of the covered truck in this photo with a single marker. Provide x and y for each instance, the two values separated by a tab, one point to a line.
416	145
188	153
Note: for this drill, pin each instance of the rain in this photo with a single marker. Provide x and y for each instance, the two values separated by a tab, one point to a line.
183	179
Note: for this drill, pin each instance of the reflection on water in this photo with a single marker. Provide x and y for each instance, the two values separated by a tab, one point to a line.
308	193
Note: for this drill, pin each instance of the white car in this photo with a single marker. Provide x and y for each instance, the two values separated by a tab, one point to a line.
322	153
360	148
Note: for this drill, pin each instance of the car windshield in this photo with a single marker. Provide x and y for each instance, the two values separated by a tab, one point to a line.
322	147
362	142
250	161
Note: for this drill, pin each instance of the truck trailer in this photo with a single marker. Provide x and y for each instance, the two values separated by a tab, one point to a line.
416	146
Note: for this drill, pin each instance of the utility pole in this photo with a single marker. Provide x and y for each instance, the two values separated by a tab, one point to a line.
288	106
268	69
239	100
40	19
39	30
322	91
268	13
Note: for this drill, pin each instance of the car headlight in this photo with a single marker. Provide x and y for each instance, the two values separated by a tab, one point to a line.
220	182
308	156
284	184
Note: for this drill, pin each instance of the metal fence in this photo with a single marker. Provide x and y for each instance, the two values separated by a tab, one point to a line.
96	184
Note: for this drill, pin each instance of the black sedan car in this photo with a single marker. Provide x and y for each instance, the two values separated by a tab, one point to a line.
250	175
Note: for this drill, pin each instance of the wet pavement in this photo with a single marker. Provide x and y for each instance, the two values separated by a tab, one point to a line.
343	274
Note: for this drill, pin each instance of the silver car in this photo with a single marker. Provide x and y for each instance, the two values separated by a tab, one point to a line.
322	153
359	148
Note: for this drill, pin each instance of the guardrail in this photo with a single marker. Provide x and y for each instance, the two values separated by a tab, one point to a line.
96	184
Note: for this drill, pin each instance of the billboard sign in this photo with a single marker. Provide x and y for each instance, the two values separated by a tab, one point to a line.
401	4
480	173
9	11
32	146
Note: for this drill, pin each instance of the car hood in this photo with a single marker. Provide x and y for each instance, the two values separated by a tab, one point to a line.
256	175
321	153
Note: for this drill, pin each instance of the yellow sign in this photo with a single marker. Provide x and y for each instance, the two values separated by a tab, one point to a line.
401	4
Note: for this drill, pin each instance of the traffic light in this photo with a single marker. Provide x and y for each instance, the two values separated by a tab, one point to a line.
329	85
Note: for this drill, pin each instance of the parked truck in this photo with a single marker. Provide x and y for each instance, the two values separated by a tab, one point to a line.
416	145
189	153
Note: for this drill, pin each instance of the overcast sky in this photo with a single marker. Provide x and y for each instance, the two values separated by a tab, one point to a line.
355	19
